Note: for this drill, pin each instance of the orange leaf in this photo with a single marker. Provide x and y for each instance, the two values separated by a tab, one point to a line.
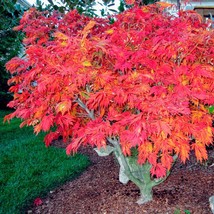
110	31
63	106
130	2
200	151
184	151
61	36
86	63
164	4
88	27
37	128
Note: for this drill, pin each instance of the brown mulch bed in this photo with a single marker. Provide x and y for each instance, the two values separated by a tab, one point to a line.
98	191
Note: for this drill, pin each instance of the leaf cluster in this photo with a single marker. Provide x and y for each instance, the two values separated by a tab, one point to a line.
145	80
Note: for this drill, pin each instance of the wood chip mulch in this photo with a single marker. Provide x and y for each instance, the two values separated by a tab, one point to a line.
98	191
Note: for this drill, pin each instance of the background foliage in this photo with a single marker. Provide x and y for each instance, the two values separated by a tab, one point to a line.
10	14
86	7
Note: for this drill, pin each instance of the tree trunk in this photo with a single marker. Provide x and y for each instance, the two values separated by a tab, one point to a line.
145	194
130	170
139	175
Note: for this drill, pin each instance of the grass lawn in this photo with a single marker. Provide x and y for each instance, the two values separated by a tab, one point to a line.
28	169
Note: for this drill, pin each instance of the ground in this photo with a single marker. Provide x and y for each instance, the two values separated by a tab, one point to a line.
98	191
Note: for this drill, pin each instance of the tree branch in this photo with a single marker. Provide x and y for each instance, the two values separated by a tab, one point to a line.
81	104
116	145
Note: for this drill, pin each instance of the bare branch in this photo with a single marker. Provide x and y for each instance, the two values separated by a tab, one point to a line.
90	113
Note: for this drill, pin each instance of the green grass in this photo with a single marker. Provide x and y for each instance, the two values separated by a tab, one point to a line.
28	169
178	211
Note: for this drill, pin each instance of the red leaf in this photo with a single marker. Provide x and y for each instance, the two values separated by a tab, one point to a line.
47	122
158	170
166	161
50	137
73	146
38	202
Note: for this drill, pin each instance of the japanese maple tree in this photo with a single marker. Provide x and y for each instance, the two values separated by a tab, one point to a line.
139	87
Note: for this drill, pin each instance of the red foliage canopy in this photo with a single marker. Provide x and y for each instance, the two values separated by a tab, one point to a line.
147	79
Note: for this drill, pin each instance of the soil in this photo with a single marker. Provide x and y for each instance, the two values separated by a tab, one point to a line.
98	190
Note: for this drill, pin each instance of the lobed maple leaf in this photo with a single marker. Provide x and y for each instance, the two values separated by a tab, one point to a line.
38	202
47	122
63	106
158	170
